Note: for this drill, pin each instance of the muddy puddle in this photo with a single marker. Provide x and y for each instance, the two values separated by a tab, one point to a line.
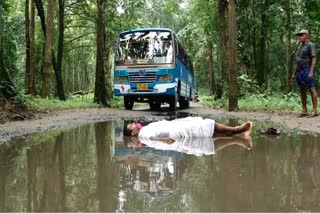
93	168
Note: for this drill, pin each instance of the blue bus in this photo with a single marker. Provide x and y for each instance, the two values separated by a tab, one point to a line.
151	66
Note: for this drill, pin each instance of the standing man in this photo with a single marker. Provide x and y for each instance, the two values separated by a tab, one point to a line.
305	72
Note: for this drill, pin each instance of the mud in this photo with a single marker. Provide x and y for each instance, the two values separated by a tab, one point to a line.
67	118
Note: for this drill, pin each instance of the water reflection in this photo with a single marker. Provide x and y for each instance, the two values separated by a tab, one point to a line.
307	172
53	194
146	174
93	168
196	146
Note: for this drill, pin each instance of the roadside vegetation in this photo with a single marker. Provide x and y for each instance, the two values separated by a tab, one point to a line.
250	102
75	102
254	98
49	49
260	102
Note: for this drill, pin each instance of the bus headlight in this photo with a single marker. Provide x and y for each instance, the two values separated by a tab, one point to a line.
165	78
121	79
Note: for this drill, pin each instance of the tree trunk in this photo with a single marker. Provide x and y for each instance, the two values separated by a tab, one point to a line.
48	50
27	30
30	47
100	86
58	70
211	72
232	29
32	50
109	46
289	58
262	44
223	13
254	37
41	14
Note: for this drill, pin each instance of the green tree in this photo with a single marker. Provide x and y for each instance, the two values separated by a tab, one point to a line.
47	71
30	46
100	84
7	89
232	59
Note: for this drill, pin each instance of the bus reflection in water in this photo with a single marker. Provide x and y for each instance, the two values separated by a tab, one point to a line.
144	176
154	177
145	172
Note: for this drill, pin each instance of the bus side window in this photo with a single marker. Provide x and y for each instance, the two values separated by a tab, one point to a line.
176	46
180	51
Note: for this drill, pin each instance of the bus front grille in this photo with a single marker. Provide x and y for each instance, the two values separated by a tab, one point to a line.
146	77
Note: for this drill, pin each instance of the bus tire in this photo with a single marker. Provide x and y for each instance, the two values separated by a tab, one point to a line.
173	102
184	102
128	103
155	105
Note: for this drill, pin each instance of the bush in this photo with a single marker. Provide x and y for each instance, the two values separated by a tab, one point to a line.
247	85
260	102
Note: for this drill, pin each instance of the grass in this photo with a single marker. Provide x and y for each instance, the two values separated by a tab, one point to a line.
85	101
260	102
254	102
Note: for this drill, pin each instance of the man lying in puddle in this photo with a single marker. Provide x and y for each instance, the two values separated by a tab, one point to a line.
189	134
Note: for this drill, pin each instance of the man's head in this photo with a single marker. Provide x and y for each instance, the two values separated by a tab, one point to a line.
132	142
130	129
303	35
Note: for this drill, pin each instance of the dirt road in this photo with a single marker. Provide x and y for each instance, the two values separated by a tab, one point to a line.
61	119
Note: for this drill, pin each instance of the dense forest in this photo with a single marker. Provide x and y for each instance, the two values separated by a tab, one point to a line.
54	48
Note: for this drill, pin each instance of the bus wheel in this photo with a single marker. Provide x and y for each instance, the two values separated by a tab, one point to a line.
173	102
154	105
128	103
184	102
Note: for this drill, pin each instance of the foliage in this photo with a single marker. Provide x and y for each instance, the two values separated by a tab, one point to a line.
260	102
11	31
247	85
196	24
211	102
8	37
38	103
78	101
116	102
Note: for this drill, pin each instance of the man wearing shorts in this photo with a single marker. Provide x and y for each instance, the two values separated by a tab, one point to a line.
305	72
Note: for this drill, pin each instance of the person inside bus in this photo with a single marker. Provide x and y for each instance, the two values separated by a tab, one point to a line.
168	51
189	127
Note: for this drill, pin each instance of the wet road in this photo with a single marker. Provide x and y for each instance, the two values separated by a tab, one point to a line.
92	168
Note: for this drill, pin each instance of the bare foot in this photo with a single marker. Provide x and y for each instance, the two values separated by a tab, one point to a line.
247	129
222	142
303	114
313	114
244	141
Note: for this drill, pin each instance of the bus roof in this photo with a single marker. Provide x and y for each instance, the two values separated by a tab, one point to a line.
146	29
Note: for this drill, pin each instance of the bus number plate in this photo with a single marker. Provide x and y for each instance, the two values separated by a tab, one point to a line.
142	86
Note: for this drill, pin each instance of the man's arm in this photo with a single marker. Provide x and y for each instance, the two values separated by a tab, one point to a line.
313	65
167	140
313	55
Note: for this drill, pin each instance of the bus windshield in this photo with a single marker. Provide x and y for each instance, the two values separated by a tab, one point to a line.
144	47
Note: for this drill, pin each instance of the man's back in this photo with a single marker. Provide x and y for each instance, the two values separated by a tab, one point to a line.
306	51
